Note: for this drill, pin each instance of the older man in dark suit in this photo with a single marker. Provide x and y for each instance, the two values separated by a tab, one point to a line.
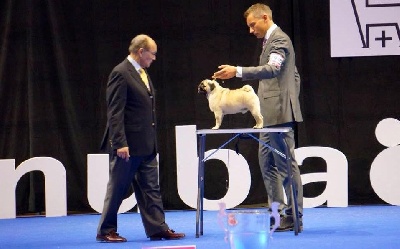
131	138
278	90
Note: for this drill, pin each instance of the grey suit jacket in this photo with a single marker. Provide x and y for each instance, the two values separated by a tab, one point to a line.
279	86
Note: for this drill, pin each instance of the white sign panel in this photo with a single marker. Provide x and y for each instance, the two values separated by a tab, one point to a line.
365	27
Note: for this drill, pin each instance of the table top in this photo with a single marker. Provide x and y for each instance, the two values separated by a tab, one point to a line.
241	130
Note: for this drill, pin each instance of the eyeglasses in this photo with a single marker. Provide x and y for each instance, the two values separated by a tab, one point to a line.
153	53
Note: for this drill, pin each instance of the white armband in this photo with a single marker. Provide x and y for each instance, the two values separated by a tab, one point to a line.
275	60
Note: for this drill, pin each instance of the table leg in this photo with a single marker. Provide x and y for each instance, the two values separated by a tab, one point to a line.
200	187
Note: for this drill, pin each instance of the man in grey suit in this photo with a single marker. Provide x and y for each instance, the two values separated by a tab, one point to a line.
130	137
278	90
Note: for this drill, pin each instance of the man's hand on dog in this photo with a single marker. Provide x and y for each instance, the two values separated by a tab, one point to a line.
225	72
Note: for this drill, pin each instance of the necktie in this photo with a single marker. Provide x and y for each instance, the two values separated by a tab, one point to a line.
143	75
264	42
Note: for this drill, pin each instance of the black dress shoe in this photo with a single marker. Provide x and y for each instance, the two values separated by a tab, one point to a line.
287	224
112	237
167	235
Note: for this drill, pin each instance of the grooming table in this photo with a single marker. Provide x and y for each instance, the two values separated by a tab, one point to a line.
201	134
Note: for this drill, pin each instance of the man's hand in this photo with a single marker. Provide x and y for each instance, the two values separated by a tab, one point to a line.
225	72
123	153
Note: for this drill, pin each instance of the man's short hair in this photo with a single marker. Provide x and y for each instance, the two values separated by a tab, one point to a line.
140	41
258	10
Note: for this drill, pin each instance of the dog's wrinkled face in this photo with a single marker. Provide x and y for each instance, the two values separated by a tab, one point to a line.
206	86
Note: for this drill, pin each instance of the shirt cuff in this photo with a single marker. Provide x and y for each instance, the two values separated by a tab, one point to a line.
239	72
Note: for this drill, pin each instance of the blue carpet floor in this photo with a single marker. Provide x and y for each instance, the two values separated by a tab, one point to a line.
342	228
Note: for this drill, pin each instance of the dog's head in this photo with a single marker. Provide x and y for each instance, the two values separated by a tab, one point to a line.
207	86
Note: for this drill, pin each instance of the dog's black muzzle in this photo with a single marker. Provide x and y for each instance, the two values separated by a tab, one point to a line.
202	88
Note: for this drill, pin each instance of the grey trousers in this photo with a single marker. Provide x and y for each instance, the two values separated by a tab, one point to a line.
274	169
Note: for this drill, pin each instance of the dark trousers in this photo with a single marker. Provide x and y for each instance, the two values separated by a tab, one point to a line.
142	174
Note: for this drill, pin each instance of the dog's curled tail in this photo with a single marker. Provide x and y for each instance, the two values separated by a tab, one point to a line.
247	88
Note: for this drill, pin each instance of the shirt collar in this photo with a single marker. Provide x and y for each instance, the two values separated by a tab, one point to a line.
134	63
269	31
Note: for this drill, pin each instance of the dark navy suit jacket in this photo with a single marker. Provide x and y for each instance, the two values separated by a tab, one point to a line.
131	117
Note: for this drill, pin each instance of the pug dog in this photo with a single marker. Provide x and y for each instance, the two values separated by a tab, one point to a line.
224	101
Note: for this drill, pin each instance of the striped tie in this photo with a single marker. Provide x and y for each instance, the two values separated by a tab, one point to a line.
264	42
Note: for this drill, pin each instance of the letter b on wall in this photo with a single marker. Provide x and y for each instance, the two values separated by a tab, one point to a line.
187	171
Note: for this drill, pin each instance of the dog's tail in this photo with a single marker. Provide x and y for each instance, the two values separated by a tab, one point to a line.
247	88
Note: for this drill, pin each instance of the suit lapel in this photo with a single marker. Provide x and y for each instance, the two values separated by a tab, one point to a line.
270	38
267	46
137	77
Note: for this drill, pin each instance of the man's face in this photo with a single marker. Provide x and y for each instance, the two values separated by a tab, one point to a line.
147	56
257	25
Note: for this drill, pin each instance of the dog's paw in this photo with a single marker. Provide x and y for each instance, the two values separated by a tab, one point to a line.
215	128
258	127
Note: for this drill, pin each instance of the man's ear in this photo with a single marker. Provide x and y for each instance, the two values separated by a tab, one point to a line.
140	51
